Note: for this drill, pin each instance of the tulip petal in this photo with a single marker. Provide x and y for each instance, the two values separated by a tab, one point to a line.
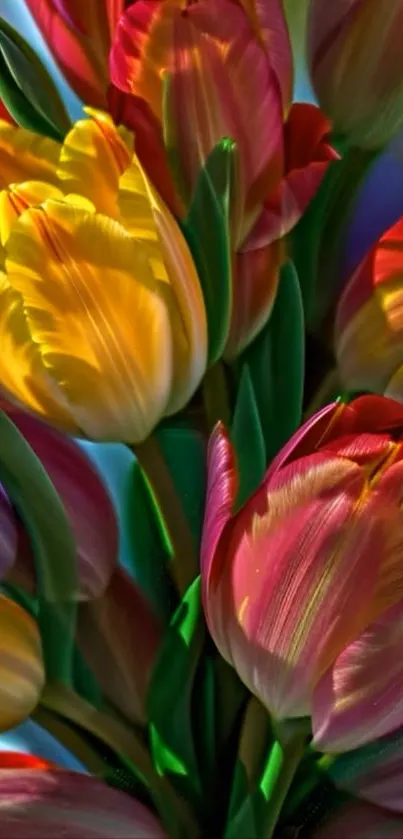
50	803
8	534
147	218
17	198
136	115
85	499
95	146
357	820
26	156
355	64
22	372
297	552
21	666
222	85
255	280
79	38
359	698
94	306
270	25
119	634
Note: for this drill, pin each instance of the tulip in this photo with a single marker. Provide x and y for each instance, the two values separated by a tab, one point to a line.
103	327
230	75
356	67
8	534
369	324
302	587
356	820
110	628
373	773
87	504
21	665
41	800
80	35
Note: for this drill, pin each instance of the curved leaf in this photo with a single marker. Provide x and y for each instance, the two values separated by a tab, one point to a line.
26	87
247	436
45	519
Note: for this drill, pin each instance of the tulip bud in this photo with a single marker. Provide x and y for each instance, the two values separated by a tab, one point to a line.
356	64
369	320
302	587
22	673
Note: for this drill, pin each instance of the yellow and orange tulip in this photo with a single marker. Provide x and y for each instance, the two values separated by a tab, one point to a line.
369	320
103	327
355	57
303	586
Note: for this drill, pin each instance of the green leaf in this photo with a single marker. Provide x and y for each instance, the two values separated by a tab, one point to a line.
170	697
149	556
27	89
247	437
206	229
182	446
44	517
276	364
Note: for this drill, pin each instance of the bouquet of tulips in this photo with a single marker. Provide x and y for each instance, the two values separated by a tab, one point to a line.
201	420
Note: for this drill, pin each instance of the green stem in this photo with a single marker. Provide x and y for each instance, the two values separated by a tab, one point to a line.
215	396
185	565
284	759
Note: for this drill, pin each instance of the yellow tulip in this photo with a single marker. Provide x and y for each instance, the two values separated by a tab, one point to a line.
102	321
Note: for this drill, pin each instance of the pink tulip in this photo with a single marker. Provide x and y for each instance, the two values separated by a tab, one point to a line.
302	587
86	501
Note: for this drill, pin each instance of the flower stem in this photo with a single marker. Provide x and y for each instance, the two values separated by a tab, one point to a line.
216	397
283	762
175	526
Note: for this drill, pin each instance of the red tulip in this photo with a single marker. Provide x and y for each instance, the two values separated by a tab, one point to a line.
79	34
228	70
303	586
86	501
369	320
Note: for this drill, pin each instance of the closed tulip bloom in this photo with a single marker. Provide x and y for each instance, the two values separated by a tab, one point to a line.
190	74
356	65
369	320
303	586
22	674
79	35
103	327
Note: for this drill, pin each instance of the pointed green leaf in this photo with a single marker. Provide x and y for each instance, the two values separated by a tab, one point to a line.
27	89
43	514
247	437
206	229
170	697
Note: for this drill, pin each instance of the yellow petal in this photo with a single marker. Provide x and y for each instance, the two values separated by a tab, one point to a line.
21	665
93	157
26	156
22	373
148	219
94	307
17	198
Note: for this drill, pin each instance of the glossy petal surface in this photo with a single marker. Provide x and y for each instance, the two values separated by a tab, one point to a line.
94	307
25	156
